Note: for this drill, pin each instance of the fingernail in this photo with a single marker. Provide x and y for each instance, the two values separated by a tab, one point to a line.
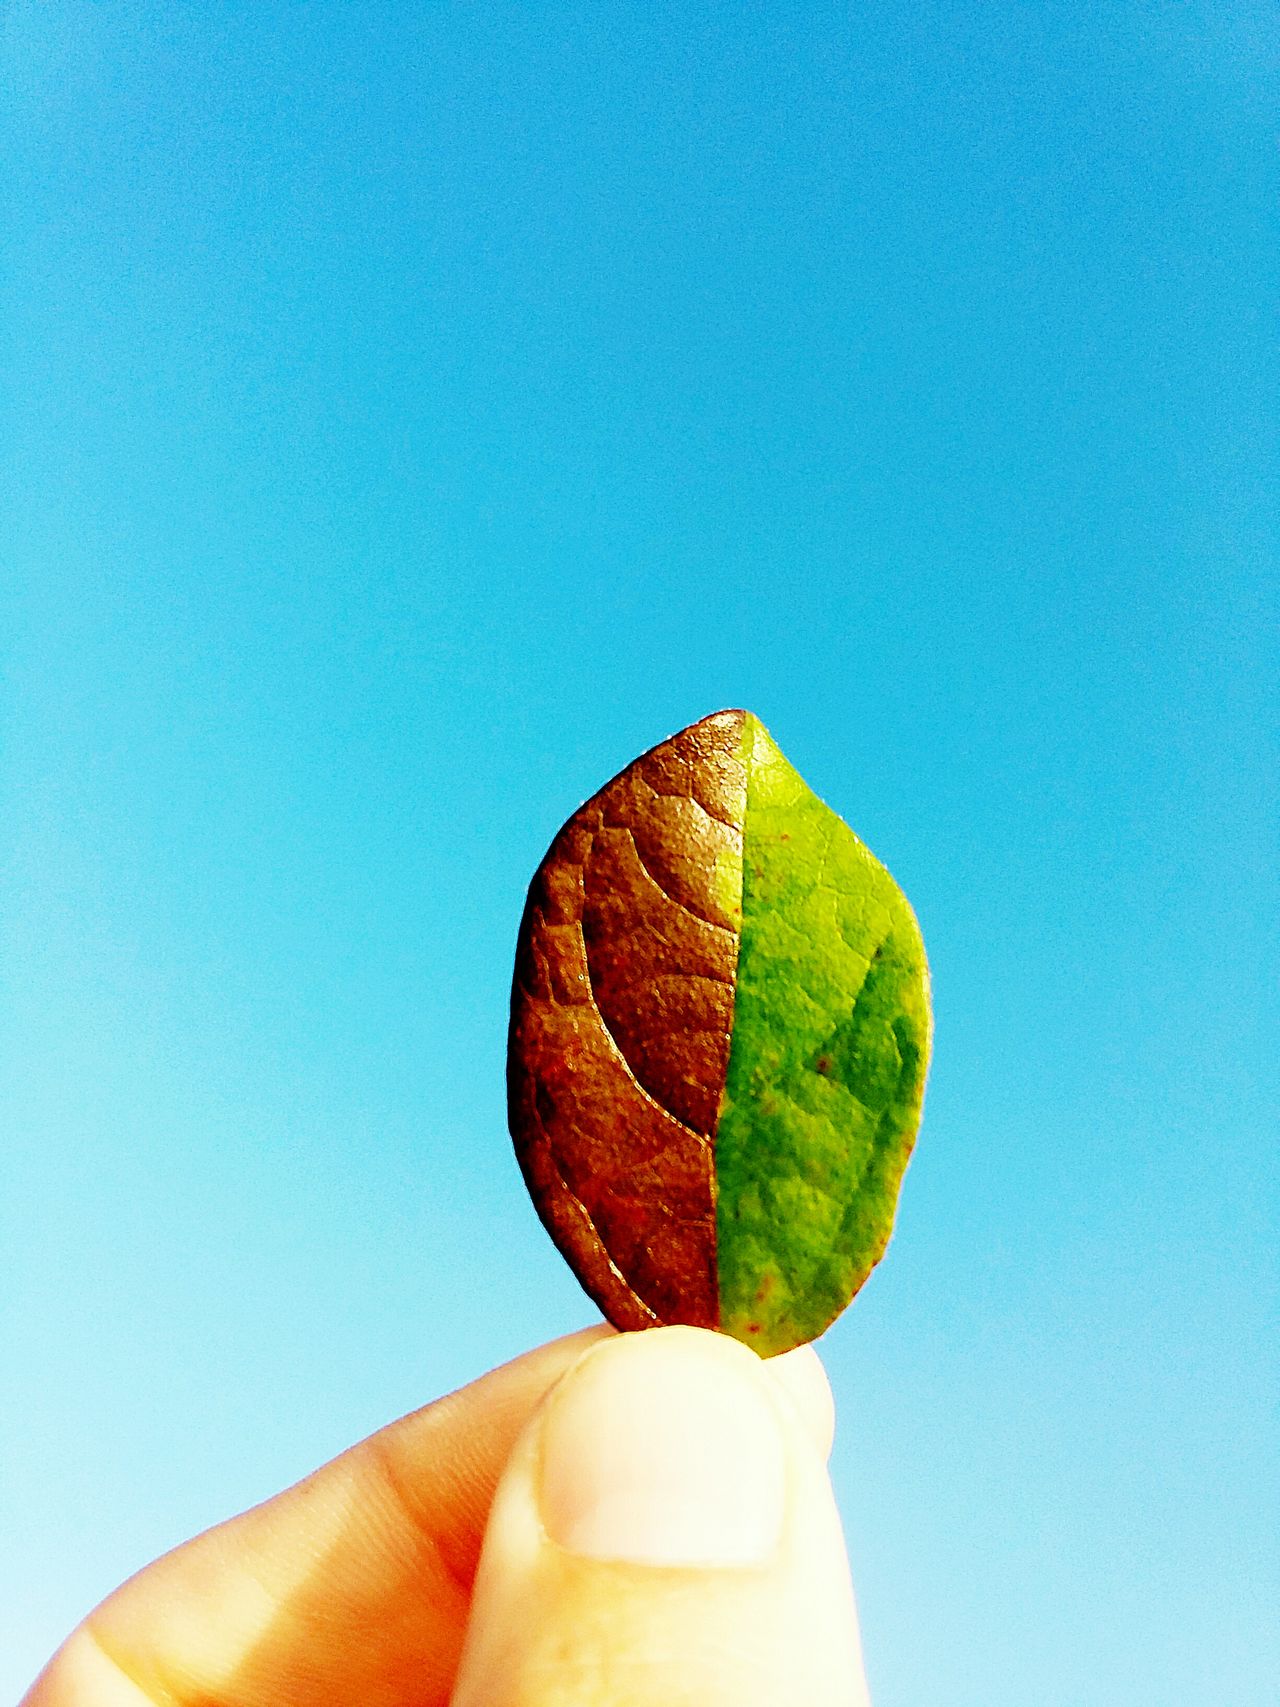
664	1448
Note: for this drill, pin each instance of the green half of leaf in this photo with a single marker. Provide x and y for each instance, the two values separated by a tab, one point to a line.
826	1066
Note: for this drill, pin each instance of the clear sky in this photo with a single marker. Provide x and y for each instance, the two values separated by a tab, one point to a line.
417	410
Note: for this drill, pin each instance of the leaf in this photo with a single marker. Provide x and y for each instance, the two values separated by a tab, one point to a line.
719	1036
826	1071
621	1012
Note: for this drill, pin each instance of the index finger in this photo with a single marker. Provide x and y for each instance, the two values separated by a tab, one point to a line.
352	1585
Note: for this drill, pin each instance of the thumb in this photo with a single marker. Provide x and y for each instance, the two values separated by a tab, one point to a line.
664	1535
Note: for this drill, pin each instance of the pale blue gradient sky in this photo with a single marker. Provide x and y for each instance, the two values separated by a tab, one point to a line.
417	411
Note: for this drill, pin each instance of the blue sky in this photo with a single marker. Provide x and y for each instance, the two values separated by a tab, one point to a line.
417	411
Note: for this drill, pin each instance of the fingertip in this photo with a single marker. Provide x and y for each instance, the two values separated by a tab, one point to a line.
665	1448
666	1527
800	1376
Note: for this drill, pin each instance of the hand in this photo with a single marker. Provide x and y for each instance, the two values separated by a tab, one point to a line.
660	1533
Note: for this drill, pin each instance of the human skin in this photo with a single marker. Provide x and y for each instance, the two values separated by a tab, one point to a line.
635	1520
